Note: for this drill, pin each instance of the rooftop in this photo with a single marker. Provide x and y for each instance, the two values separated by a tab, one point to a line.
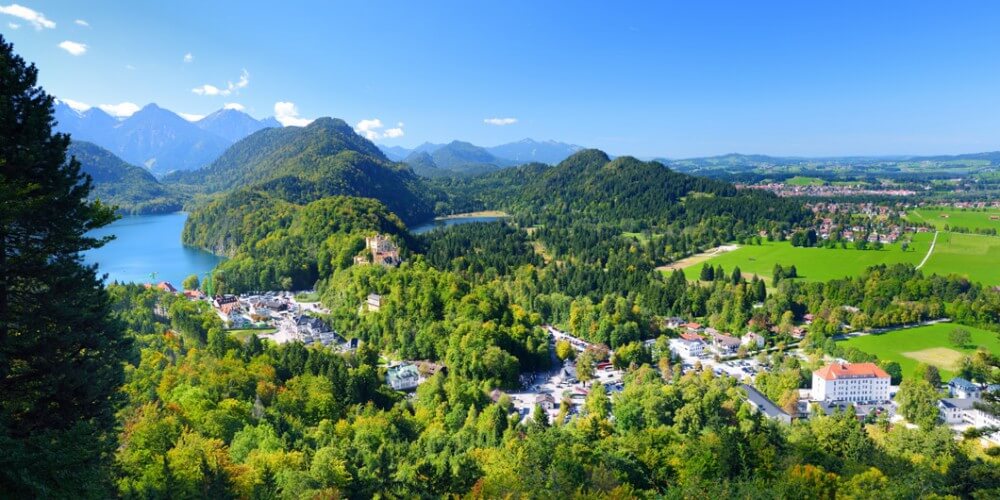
763	404
857	370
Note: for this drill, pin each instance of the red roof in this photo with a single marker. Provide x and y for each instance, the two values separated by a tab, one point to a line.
693	326
690	336
229	307
856	370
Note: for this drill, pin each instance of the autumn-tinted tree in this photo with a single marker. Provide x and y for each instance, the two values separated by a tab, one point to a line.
60	355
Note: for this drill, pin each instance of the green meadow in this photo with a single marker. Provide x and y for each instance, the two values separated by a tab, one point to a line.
925	344
813	264
974	256
939	217
800	180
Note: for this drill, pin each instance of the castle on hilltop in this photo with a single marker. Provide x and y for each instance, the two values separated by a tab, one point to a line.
381	250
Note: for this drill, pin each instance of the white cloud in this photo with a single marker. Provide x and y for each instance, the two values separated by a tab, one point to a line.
129	67
74	48
81	22
371	129
188	57
37	19
212	90
191	117
234	105
207	90
13	26
288	115
120	110
500	121
76	105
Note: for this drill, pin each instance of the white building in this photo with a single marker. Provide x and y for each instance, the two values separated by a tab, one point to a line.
752	340
688	345
858	383
955	410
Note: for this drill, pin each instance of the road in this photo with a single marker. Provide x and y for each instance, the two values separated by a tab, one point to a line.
929	251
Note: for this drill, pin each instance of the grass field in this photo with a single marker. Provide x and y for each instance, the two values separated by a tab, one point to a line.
925	344
974	256
814	264
243	334
970	219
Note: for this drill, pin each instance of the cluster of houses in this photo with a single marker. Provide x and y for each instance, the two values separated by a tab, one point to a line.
696	341
379	249
826	191
961	408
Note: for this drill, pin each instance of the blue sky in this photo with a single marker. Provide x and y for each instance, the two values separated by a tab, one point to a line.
647	79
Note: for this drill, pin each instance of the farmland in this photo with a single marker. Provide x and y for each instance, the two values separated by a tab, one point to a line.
925	344
974	256
970	255
952	217
814	264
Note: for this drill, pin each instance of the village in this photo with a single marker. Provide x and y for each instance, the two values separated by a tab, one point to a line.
562	390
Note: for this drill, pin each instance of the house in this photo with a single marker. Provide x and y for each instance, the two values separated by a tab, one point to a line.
857	382
674	322
495	395
219	300
752	340
962	388
725	344
374	302
402	377
953	410
693	327
546	401
165	286
761	404
194	294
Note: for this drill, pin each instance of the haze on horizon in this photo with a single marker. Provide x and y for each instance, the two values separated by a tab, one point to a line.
644	79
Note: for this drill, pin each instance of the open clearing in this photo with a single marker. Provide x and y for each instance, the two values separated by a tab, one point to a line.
956	217
941	357
813	264
974	256
925	344
698	258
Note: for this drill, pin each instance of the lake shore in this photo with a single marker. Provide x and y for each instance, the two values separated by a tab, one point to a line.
469	215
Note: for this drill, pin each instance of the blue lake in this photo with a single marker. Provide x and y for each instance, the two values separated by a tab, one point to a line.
146	244
437	223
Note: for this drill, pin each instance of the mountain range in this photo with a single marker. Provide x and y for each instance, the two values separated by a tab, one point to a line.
463	158
158	139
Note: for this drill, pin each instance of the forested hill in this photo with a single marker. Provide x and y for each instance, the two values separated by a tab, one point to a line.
273	244
133	189
625	190
303	164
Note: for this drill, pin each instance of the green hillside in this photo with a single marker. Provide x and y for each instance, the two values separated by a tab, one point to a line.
303	164
133	189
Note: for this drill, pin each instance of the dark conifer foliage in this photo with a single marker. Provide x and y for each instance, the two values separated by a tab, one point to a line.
60	355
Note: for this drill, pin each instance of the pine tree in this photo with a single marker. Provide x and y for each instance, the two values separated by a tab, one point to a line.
60	353
707	273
